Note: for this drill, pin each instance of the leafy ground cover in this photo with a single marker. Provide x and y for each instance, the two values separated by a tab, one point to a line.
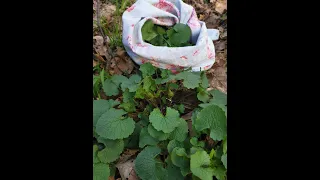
149	123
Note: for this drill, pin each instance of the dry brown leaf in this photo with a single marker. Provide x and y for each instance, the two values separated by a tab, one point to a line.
120	52
121	63
121	66
133	175
125	168
95	63
220	6
127	154
111	178
224	34
212	22
220	73
217	78
219	45
221	59
201	17
99	47
187	116
98	58
106	10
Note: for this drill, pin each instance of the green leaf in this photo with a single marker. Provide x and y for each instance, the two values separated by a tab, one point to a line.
203	96
170	32
158	41
102	106
158	81
212	117
204	80
169	78
161	136
113	169
95	134
195	149
165	73
160	30
182	28
128	106
109	88
95	79
181	34
193	119
101	171
194	141
161	173
190	80
149	84
172	144
133	140
102	75
95	152
111	125
185	171
219	99
224	160
212	153
147	69
140	93
146	139
165	123
112	150
179	107
147	30
174	86
224	146
144	120
128	96
174	172
219	172
200	165
118	79
145	164
219	152
181	132
180	158
132	83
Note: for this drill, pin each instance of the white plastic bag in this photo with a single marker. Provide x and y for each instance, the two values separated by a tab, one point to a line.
201	56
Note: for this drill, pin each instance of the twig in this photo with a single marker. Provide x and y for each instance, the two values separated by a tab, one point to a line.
98	19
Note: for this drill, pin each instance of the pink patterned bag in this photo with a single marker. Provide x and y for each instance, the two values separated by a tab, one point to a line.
201	56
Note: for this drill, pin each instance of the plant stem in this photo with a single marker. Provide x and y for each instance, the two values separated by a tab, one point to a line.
98	19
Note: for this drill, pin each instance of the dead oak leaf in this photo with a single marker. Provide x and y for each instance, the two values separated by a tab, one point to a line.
122	65
95	63
221	59
125	168
201	17
99	46
220	45
106	11
133	175
217	78
120	52
126	155
221	6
